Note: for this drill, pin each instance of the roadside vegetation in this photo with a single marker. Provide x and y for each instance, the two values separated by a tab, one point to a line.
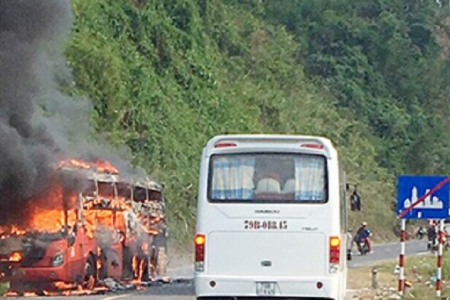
165	76
420	273
3	288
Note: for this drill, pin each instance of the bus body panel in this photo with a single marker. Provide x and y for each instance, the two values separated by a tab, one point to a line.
245	242
264	253
70	270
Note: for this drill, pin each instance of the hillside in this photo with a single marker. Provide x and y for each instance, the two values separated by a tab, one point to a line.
165	76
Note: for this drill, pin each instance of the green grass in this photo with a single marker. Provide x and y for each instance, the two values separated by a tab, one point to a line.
3	288
419	270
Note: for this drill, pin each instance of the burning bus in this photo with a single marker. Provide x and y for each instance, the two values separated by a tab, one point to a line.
145	249
149	206
86	227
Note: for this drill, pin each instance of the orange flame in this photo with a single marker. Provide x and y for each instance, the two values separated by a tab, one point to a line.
138	266
73	163
99	261
61	285
46	212
10	230
15	294
71	290
104	166
135	266
101	166
15	257
56	207
11	294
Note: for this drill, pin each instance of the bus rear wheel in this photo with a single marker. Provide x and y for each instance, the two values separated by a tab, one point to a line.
90	273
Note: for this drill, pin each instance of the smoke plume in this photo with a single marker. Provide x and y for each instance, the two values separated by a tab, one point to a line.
38	123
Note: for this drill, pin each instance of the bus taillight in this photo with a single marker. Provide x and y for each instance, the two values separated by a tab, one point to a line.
312	146
200	241
335	245
225	145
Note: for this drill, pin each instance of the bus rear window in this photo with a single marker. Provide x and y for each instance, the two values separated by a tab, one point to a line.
268	178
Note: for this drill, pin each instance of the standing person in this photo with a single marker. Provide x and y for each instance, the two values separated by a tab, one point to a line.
432	235
364	234
355	201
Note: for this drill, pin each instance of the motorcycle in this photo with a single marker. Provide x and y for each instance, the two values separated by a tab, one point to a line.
362	246
420	233
432	245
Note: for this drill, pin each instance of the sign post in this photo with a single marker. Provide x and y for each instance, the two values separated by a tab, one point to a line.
422	197
401	263
439	260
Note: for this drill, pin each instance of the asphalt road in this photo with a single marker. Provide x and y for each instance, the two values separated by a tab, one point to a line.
182	288
387	252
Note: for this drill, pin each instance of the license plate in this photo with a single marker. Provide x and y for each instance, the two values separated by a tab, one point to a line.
265	288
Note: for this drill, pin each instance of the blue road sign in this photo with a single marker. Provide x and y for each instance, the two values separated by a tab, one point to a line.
411	191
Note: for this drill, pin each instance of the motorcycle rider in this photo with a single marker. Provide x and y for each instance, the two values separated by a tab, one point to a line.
364	234
421	232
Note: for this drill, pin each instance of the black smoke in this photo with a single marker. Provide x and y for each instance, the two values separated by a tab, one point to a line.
32	36
39	123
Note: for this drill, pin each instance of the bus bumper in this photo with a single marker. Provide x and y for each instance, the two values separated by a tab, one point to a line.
208	285
37	274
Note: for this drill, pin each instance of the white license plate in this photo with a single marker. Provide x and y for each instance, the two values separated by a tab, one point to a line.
265	288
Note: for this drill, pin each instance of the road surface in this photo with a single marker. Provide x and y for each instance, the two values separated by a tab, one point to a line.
388	251
183	289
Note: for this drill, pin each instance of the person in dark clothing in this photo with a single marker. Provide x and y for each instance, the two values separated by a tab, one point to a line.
355	201
420	233
364	234
432	235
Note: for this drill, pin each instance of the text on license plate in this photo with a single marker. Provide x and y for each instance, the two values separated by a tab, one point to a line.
266	224
265	288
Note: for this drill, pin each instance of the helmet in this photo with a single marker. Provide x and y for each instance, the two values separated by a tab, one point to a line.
364	223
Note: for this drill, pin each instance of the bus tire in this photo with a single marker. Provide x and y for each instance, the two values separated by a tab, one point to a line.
127	262
21	287
146	269
40	292
17	287
90	273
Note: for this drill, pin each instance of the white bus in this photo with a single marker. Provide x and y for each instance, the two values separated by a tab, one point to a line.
271	219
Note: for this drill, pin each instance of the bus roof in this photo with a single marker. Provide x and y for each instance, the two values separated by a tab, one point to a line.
308	142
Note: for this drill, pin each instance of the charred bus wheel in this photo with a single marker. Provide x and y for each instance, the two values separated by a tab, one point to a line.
22	287
158	256
90	273
145	269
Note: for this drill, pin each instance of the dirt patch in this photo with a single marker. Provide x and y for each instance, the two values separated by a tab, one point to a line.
420	278
360	280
